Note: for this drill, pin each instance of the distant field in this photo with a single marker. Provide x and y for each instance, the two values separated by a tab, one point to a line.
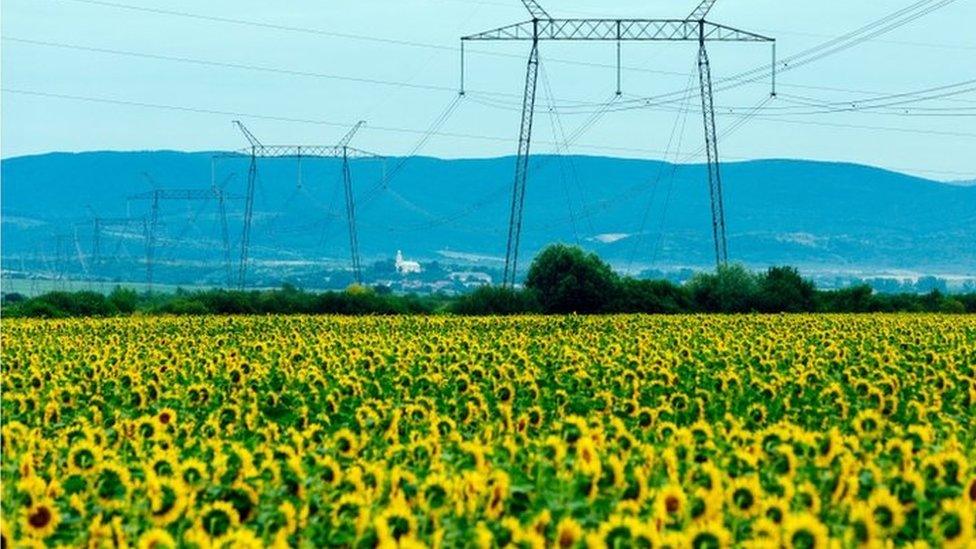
31	288
628	431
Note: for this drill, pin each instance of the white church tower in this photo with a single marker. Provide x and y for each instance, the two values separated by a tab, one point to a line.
406	267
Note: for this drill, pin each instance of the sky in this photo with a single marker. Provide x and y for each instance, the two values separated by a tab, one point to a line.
82	75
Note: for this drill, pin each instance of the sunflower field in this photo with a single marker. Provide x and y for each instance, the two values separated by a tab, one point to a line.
623	431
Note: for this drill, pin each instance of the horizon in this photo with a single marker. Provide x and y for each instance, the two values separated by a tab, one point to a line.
956	182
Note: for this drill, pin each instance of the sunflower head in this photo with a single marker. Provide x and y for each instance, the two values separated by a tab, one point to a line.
345	443
166	417
568	533
804	531
709	535
744	495
435	493
112	484
670	503
954	524
886	511
217	519
395	522
169	499
83	457
156	538
41	519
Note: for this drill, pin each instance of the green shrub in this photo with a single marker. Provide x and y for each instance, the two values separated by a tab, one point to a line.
496	300
569	280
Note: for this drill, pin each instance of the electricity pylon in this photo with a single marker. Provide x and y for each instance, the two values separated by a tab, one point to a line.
155	196
100	224
340	150
542	26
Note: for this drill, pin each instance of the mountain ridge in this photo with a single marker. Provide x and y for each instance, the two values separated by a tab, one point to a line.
636	213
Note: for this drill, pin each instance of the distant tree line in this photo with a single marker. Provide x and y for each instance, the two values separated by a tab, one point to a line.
561	280
565	279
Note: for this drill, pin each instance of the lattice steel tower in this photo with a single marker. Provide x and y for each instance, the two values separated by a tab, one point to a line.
340	150
542	26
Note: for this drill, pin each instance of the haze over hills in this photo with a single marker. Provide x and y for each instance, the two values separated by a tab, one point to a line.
822	217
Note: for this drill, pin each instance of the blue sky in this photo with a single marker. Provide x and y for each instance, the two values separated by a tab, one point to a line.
49	47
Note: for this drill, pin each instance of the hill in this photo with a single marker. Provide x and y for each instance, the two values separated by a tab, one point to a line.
634	213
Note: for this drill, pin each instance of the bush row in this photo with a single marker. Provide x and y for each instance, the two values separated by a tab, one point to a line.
565	279
288	300
561	280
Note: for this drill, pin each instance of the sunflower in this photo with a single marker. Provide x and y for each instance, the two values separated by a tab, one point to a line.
193	472
535	416
216	519
587	457
886	511
744	495
705	505
670	504
52	413
909	487
498	492
244	538
554	449
868	424
83	457
351	509
674	539
765	533
568	533
573	429
345	443
954	467
395	522
709	535
41	518
329	471
162	462
156	538
954	525
168	500
807	498
862	530
166	417
435	494
112	484
505	393
804	531
621	531
5	539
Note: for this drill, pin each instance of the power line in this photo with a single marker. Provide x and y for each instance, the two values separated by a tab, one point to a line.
333	34
576	105
389	129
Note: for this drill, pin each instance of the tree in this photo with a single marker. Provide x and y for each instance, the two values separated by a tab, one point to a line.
782	289
855	299
649	296
124	299
731	289
569	280
494	300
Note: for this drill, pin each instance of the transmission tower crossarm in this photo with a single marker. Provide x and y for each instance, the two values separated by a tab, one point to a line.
254	141
346	139
702	10
184	194
620	30
535	10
